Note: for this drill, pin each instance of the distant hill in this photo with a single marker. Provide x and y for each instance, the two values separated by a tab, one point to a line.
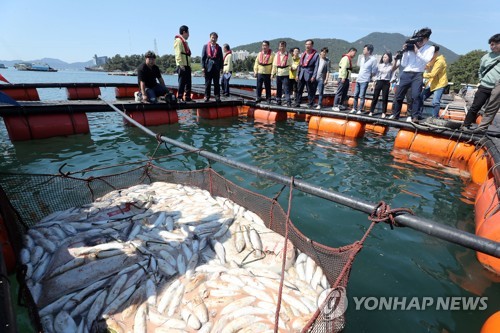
381	41
54	63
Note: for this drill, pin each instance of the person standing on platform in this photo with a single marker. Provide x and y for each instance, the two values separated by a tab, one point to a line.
262	71
438	81
367	70
212	64
306	74
322	75
345	68
383	82
183	62
227	72
416	54
147	74
490	109
281	70
295	52
489	74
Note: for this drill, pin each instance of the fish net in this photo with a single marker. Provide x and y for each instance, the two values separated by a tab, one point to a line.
26	198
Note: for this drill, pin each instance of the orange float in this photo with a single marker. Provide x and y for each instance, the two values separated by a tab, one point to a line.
218	112
488	224
153	117
266	115
380	129
432	145
41	126
492	324
125	92
22	94
347	128
297	116
79	93
478	166
452	114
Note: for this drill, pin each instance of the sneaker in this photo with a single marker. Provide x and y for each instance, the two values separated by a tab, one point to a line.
336	108
258	100
342	108
370	114
359	112
391	116
415	120
352	111
318	107
188	99
138	96
409	119
383	115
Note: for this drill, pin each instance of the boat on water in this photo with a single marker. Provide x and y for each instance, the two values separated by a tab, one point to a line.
2	66
95	69
36	67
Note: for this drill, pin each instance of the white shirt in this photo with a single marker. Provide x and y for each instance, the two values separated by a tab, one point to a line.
416	61
367	69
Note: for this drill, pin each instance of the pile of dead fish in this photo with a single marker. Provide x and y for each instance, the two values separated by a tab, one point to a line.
166	258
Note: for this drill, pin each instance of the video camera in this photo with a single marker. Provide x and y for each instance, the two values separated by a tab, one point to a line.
410	42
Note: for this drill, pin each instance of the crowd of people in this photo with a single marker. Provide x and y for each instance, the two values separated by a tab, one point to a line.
418	71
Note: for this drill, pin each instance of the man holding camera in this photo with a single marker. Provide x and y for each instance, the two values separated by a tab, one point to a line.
415	55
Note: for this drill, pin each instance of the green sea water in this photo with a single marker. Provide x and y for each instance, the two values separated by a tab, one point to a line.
393	263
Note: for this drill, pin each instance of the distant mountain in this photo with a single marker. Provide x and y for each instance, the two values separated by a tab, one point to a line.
54	63
381	41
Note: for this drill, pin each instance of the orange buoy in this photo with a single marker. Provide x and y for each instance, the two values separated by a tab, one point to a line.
267	115
23	94
153	117
296	116
347	128
432	145
492	324
452	114
125	92
243	109
218	112
41	126
490	229
478	166
79	93
6	248
380	129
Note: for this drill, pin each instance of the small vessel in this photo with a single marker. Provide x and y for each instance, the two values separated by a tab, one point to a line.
2	66
95	69
38	67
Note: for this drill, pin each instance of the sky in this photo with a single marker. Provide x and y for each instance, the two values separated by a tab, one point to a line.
73	31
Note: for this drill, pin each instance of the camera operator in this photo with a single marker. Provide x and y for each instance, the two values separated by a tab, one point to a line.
415	55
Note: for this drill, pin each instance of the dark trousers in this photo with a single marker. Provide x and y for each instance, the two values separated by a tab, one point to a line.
341	93
293	86
480	98
311	91
381	85
214	76
409	80
224	82
282	84
184	79
266	80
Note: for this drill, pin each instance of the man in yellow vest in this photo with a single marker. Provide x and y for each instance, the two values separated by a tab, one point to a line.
438	81
227	71
183	62
262	71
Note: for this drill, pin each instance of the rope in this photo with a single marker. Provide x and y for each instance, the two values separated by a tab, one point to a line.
383	213
283	264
